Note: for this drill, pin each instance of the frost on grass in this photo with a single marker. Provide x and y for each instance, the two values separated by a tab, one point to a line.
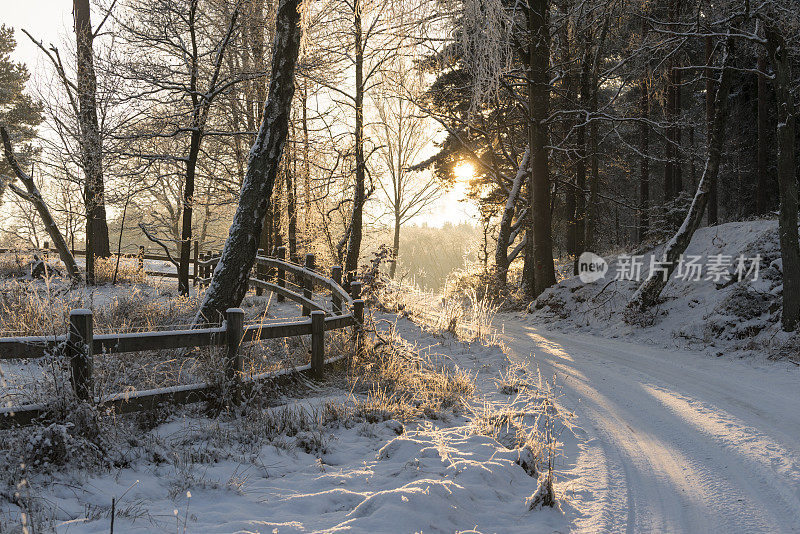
405	439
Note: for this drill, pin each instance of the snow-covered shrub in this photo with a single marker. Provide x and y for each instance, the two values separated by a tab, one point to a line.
397	382
50	445
512	379
544	495
465	315
372	278
552	300
312	442
744	303
473	280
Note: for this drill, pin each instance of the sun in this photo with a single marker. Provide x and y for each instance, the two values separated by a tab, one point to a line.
464	171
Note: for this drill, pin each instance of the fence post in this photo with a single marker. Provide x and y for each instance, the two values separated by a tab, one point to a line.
358	330
358	315
308	283
196	259
79	351
260	272
318	343
336	301
355	290
141	257
234	332
204	271
281	272
46	249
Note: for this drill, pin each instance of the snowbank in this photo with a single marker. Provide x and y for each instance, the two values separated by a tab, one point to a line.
739	318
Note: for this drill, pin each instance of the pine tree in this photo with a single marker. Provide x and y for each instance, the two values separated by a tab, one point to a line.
19	113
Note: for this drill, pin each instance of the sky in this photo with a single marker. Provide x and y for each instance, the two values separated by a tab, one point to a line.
47	20
51	20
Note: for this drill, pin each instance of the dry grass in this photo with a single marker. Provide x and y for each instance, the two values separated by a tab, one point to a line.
467	316
396	381
529	422
15	265
42	308
35	308
128	271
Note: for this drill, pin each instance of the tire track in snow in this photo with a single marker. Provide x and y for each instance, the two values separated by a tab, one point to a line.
703	444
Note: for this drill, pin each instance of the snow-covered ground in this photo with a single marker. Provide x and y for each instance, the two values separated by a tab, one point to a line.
683	424
671	440
687	426
440	473
730	320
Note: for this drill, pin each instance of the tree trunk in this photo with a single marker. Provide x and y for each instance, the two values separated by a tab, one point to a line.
713	202
648	293
528	265
504	233
644	162
188	208
230	281
97	241
581	228
395	247
787	179
571	98
538	140
306	166
33	195
677	134
291	212
762	151
670	148
592	207
356	221
277	232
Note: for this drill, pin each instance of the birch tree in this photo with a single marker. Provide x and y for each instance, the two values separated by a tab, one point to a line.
230	281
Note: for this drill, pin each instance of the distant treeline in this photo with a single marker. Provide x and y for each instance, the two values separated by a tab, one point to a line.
428	254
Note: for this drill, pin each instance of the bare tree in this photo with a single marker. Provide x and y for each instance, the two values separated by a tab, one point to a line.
188	76
32	195
402	134
230	281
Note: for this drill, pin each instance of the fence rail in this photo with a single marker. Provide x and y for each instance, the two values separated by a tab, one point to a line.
195	260
81	345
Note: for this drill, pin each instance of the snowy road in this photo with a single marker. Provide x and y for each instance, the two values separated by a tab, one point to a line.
675	441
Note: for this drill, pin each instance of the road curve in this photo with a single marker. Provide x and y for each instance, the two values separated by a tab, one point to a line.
671	440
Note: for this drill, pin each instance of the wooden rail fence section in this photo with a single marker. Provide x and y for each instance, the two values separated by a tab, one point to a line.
81	345
196	261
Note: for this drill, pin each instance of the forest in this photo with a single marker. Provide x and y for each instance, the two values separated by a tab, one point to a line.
585	126
528	178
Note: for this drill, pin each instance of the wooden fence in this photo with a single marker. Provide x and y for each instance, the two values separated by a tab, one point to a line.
196	261
81	345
